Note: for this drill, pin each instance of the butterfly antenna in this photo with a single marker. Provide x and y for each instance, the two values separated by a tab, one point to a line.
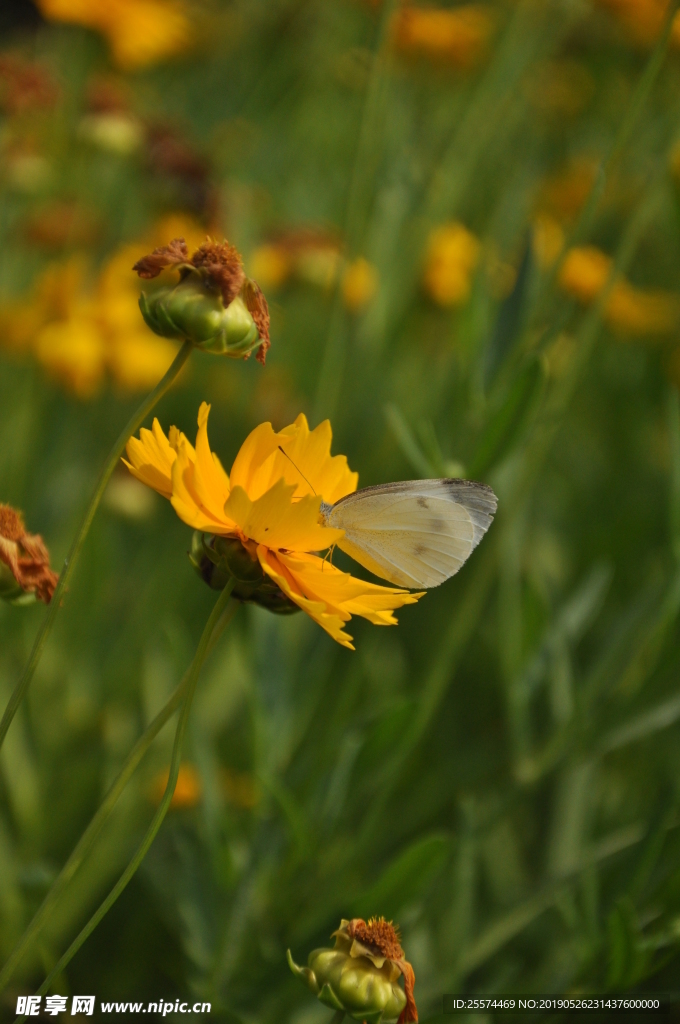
299	470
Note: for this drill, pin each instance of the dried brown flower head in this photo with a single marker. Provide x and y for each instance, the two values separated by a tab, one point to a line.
25	555
223	265
379	934
382	938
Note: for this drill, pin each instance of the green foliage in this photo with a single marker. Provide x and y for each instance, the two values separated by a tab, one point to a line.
499	773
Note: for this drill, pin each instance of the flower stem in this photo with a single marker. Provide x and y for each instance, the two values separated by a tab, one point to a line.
51	613
338	1017
102	815
187	697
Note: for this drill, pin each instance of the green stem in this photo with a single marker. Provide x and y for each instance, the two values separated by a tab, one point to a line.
104	812
158	817
370	136
338	1017
51	613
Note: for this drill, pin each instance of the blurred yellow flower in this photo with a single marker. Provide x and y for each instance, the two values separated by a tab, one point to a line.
139	32
73	351
642	20
305	254
452	255
359	284
633	310
188	791
458	35
271	504
270	264
79	330
584	273
547	240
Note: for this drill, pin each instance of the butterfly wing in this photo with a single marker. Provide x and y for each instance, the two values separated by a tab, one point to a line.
416	533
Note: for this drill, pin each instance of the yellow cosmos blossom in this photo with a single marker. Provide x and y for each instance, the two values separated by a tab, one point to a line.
630	310
81	328
459	36
139	32
584	273
270	502
452	256
308	255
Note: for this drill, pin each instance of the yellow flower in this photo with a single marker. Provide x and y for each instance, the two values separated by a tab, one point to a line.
270	504
270	264
459	35
453	254
628	309
304	254
584	272
72	350
188	791
81	329
359	284
642	20
547	240
140	32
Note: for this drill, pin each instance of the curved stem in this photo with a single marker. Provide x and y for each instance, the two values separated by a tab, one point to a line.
87	840
162	810
51	613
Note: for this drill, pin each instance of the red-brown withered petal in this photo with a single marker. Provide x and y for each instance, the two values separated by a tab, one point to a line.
166	256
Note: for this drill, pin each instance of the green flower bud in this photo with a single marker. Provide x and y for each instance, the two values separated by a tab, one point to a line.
10	589
217	560
192	310
214	305
357	978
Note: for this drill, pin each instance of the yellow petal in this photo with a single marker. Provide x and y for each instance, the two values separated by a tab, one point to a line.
210	481
257	447
186	501
276	520
305	462
329	620
308	461
330	596
151	459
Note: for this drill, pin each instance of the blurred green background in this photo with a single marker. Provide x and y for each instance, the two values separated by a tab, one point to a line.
500	773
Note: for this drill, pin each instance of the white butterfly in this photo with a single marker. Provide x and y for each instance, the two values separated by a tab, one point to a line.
416	533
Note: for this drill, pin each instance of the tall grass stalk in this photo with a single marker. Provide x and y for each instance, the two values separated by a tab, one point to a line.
329	384
89	836
163	807
114	455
